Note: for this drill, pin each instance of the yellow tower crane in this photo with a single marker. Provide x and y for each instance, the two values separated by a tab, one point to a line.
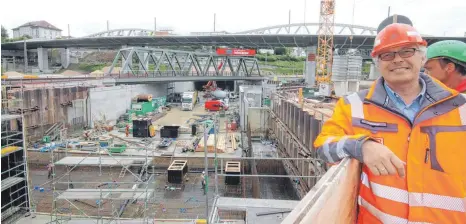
325	46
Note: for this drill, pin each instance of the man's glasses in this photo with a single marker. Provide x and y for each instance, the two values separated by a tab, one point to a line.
404	53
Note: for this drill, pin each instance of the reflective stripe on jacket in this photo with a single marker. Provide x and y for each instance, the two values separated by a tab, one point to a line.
433	147
461	87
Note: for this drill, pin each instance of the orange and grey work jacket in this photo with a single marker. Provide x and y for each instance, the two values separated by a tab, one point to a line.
432	146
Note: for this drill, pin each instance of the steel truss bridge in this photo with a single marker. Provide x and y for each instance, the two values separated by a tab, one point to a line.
293	28
312	28
288	35
159	64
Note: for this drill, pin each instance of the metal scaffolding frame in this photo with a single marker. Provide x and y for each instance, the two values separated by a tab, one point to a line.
294	164
15	177
154	62
130	195
294	130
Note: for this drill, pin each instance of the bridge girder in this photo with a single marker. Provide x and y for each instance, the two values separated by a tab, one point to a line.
127	32
294	28
312	29
154	62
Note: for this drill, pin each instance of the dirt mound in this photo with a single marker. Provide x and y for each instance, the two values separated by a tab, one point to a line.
97	73
106	56
70	72
13	74
115	70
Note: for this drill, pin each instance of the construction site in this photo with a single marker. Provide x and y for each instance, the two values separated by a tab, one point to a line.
81	149
151	163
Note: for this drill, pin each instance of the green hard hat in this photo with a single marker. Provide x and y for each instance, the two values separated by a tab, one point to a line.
452	49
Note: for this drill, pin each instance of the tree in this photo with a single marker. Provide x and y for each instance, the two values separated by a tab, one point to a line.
281	51
4	34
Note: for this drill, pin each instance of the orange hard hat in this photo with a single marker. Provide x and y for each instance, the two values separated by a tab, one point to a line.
395	35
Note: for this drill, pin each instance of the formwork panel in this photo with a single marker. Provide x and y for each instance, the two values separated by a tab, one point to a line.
290	116
296	120
301	125
282	111
285	108
285	113
315	130
293	120
306	130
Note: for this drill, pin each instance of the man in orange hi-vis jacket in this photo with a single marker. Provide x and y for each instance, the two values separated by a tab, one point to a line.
408	131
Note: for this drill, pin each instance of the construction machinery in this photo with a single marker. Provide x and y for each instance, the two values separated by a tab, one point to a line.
188	100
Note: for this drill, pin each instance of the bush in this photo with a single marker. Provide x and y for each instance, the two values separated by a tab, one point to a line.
272	58
91	67
280	51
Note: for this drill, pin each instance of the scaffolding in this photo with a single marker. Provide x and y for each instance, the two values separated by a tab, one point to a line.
111	188
110	199
14	180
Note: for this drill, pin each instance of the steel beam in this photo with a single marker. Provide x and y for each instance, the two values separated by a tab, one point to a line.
296	120
301	125
307	130
315	126
294	28
155	62
142	80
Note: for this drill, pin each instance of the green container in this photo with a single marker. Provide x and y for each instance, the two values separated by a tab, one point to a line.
156	103
161	101
142	108
309	92
118	148
46	139
267	101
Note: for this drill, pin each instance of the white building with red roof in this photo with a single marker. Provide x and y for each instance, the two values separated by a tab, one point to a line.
37	30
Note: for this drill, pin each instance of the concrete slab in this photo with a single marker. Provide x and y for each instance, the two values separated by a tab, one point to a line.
71	195
276	217
94	221
95	161
105	193
137	195
247	203
45	218
38	219
255	208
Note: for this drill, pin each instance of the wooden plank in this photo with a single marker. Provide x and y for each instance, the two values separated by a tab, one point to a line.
233	141
210	144
221	143
233	167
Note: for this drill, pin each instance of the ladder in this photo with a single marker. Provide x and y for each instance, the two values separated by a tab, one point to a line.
122	172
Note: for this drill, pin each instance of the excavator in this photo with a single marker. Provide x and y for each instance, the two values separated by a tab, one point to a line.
211	90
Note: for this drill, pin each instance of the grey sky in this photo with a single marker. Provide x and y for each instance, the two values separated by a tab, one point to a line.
433	17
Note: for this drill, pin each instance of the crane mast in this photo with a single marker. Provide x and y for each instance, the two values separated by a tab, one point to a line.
325	43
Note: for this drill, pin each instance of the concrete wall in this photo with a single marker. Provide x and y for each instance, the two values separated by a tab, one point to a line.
47	106
114	101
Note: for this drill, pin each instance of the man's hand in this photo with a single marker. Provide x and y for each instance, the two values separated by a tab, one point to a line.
381	160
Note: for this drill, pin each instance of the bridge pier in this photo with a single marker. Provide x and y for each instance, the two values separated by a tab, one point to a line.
310	71
65	57
43	59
